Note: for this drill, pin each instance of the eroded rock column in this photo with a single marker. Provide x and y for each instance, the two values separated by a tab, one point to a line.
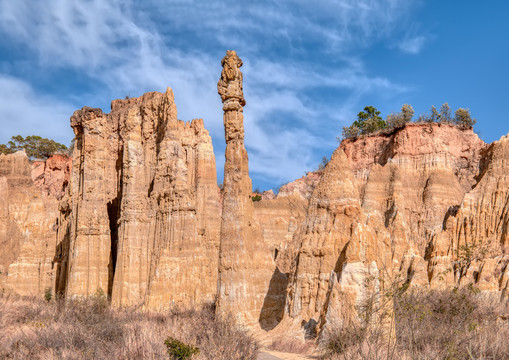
245	262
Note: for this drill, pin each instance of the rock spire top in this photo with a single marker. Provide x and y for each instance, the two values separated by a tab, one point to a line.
229	86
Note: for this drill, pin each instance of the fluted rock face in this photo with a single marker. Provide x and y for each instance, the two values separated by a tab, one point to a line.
143	210
246	264
411	178
473	248
28	222
338	242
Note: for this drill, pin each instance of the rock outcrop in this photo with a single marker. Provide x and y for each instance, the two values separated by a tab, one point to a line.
52	175
142	213
303	187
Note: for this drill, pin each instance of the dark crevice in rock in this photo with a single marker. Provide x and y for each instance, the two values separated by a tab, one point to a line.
113	215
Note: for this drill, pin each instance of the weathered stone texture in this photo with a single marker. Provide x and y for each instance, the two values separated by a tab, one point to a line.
279	219
338	241
411	178
52	175
303	187
473	248
144	219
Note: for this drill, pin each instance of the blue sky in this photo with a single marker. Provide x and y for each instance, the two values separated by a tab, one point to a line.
309	66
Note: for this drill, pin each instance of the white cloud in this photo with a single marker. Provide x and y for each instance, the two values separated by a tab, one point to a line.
412	45
40	114
128	49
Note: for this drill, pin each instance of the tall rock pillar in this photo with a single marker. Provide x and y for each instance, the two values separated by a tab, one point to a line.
245	263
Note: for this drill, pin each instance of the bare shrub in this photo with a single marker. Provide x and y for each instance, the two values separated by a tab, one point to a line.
446	324
450	324
217	338
89	329
369	335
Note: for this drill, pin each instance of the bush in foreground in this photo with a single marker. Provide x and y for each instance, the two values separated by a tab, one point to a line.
89	329
178	350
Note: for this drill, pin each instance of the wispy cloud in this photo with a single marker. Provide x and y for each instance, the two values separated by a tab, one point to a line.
40	114
294	54
412	45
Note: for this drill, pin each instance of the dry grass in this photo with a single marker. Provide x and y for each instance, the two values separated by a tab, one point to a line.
89	329
449	324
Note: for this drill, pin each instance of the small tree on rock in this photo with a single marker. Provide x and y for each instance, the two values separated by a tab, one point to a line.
323	163
34	146
369	120
351	131
434	114
463	118
407	112
396	120
445	113
4	149
423	118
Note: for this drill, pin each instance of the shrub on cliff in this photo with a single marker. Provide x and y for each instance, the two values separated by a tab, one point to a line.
4	149
434	114
445	113
396	120
351	131
368	121
463	119
323	163
35	147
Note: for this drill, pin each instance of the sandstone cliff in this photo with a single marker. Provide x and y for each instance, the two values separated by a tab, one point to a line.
400	193
338	244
